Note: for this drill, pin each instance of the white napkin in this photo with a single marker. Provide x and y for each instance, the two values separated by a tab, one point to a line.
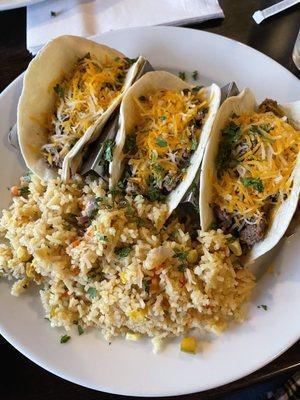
52	18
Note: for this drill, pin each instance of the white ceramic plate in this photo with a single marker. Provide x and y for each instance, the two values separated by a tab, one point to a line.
10	4
131	368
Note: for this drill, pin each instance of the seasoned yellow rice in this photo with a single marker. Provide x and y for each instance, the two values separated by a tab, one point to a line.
118	266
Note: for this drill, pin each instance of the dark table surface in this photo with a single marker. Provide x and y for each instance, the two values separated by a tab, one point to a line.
274	37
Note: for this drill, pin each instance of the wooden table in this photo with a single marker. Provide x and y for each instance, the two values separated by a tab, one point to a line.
21	379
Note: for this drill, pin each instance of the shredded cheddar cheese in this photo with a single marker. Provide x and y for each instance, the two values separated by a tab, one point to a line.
158	151
82	97
255	172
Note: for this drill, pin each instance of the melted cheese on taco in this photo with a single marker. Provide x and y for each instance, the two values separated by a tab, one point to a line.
81	98
256	158
159	149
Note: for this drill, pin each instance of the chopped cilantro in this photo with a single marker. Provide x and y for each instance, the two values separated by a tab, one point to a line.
130	61
122	252
59	90
181	255
161	142
256	183
47	319
65	338
175	234
263	306
182	267
108	147
261	130
230	136
194	144
24	191
154	155
196	89
181	75
80	330
163	117
195	75
92	292
158	172
155	194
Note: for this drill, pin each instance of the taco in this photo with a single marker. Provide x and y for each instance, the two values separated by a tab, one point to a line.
70	89
164	126
250	175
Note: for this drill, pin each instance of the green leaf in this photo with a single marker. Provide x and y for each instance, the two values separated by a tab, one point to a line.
122	252
163	117
256	183
154	194
194	144
181	75
65	338
80	330
195	75
108	148
161	142
181	255
24	191
263	306
154	155
230	136
196	89
182	267
261	130
59	90
130	61
92	292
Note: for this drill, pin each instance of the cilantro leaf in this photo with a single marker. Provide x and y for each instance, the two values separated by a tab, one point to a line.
92	292
263	306
256	183
194	144
122	252
108	147
65	338
195	75
24	191
161	142
59	90
80	330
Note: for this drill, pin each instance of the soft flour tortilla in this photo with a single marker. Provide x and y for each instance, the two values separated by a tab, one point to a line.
37	100
129	116
245	103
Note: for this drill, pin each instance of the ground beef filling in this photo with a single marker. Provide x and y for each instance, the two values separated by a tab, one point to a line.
249	234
